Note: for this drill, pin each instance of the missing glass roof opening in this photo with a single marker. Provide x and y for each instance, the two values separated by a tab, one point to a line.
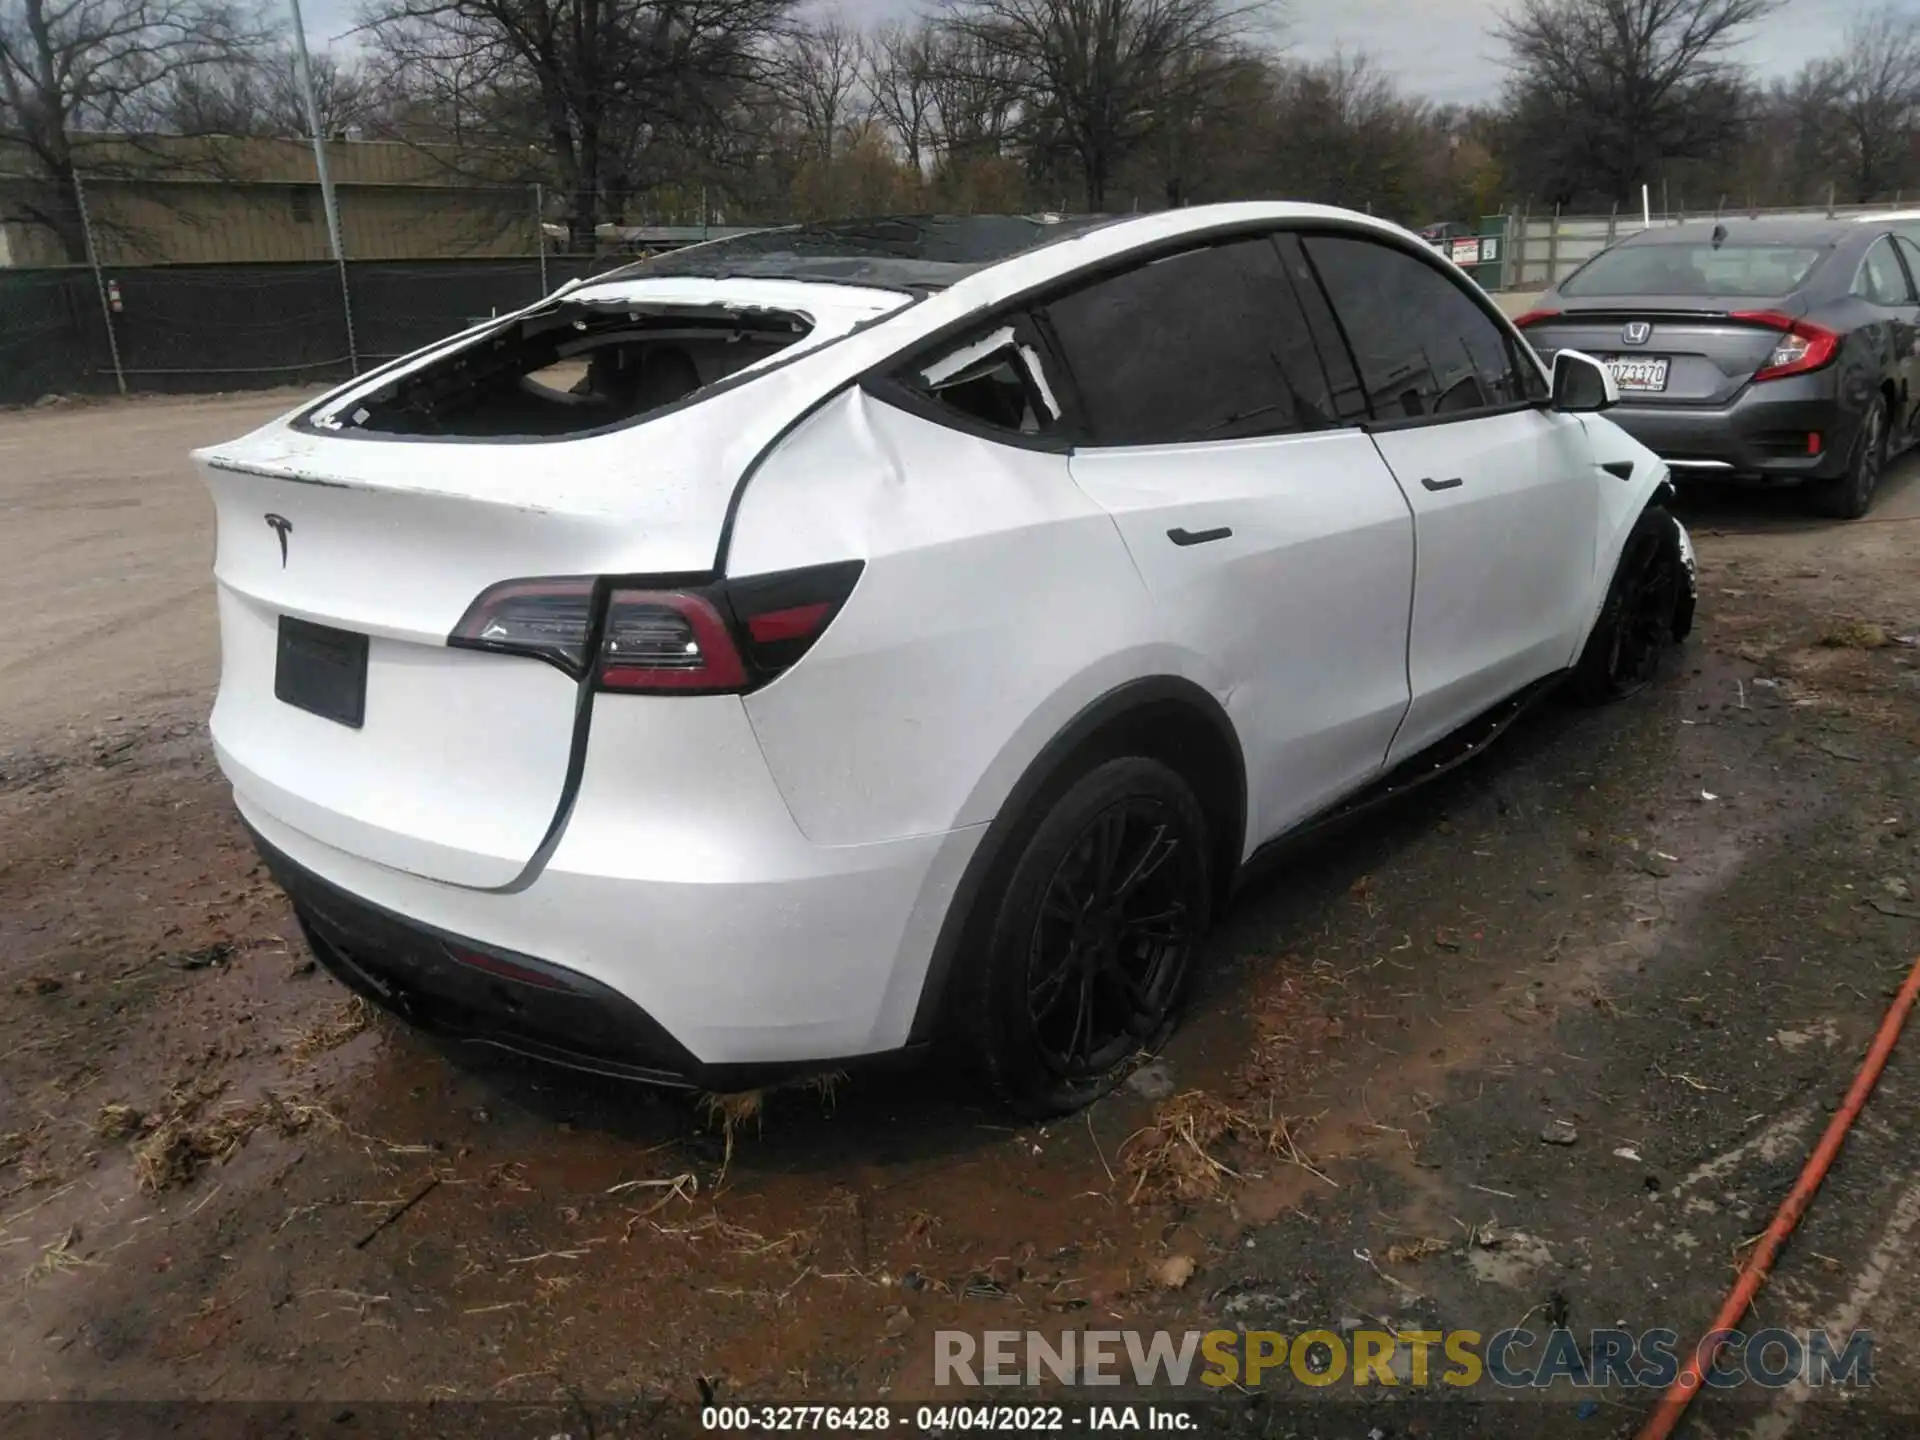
573	369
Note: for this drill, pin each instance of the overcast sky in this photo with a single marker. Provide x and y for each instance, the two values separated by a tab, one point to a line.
1436	48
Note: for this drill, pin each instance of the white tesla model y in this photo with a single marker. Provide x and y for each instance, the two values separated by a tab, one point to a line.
849	640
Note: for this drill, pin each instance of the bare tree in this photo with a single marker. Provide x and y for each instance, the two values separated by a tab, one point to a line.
976	92
817	72
1796	147
897	64
1604	91
598	87
1345	135
1097	77
1877	90
74	68
436	96
260	96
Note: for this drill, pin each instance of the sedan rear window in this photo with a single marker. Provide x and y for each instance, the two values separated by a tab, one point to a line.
1741	271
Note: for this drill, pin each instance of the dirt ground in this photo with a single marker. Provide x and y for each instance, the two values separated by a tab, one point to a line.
1672	925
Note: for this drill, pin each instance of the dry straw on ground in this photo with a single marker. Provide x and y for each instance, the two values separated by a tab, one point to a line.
184	1136
346	1020
729	1113
1412	1253
1178	1156
1855	635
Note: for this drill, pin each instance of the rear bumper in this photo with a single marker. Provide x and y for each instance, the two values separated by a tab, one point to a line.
697	937
776	985
452	986
1760	437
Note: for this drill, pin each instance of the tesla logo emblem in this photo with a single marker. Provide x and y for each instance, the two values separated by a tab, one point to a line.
1635	332
283	527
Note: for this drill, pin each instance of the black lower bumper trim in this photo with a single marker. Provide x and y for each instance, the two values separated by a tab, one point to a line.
478	994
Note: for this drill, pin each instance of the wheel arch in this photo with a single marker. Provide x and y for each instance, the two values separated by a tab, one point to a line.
1167	717
1616	524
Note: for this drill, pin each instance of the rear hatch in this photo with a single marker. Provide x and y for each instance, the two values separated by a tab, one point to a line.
1680	352
352	542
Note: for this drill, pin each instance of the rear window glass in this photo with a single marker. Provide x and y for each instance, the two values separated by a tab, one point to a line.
1690	269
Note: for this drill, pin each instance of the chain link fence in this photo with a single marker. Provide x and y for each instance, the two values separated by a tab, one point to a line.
142	284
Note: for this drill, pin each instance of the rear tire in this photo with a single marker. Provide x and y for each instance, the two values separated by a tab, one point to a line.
1851	495
1641	614
1091	944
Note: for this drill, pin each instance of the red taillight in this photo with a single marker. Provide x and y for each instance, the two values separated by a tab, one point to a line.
796	622
1535	317
668	640
547	619
783	614
1802	346
691	640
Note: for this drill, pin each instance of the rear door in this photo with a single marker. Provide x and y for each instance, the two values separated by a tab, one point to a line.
1262	519
1503	490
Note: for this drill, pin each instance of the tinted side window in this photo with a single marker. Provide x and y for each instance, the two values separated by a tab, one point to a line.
1423	346
1349	395
1204	345
1881	280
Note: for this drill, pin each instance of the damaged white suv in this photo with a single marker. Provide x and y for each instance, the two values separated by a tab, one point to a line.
831	642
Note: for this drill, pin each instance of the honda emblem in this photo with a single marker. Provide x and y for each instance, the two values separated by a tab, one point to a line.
1636	332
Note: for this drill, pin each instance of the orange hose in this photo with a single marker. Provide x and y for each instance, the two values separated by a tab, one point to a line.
1666	1415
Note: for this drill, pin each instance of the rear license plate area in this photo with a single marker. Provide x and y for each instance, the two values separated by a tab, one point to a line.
322	670
1639	373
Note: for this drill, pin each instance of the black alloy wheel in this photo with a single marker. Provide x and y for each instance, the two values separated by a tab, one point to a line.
1649	591
1112	940
1088	938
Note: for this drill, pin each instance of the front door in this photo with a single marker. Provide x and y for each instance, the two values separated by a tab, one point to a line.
1504	492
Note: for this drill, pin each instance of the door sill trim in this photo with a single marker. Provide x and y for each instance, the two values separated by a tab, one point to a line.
1448	753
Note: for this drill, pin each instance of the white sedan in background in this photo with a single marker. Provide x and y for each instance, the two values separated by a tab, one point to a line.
844	641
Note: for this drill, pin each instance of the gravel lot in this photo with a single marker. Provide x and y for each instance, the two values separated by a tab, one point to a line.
1672	925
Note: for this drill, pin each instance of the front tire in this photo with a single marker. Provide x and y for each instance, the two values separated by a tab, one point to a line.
1851	495
1641	615
1092	943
